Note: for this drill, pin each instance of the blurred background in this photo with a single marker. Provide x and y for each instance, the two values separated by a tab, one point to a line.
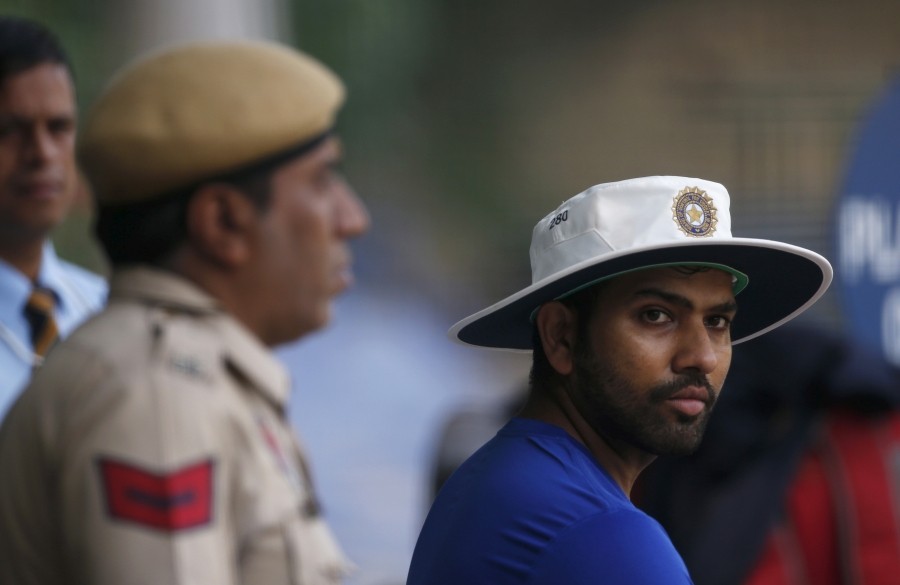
469	120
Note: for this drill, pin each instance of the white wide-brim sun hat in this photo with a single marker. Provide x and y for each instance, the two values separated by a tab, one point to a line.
614	228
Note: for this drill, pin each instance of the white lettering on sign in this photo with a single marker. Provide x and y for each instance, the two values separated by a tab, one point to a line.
890	325
869	239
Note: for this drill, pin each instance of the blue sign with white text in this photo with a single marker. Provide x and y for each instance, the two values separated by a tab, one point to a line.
867	230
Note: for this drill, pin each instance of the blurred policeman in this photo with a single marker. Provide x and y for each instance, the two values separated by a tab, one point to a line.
42	297
153	447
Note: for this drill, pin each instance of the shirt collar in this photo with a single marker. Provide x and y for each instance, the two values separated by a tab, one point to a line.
14	290
15	287
255	362
162	288
52	275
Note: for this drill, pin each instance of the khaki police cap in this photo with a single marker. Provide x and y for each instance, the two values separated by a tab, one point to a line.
196	111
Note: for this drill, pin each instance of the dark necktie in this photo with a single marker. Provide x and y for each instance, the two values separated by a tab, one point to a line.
39	312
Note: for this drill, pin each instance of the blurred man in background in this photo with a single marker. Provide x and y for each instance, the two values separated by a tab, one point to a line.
42	298
162	421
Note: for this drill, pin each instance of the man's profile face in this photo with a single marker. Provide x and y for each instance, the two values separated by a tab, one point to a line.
657	351
304	259
37	160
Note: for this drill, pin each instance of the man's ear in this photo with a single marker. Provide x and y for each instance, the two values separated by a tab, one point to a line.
557	329
221	224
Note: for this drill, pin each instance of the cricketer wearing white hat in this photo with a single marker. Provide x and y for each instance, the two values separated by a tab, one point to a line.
638	293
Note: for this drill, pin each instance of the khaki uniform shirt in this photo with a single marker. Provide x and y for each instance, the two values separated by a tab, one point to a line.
152	447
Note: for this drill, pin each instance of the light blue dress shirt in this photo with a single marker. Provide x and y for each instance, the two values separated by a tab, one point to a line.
78	293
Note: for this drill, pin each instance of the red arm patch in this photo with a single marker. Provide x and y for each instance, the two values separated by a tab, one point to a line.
168	502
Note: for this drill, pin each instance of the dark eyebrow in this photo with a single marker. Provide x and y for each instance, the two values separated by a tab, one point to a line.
27	120
676	299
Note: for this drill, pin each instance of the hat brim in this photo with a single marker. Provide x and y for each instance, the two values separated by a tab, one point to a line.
784	281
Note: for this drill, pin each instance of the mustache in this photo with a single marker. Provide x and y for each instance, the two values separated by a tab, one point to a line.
669	389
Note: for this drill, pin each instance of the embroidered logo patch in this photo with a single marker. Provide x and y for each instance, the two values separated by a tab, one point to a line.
694	212
168	502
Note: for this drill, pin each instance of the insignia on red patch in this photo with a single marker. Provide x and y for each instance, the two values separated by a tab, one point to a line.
169	502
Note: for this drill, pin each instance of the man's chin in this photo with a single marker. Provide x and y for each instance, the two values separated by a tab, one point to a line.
681	439
287	333
679	449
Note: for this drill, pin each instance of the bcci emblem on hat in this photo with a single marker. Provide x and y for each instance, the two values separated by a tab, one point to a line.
694	212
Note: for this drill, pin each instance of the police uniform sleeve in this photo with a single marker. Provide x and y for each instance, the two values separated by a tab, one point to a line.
161	459
142	467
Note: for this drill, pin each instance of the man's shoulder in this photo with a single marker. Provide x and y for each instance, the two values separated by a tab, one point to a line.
123	373
554	526
625	545
536	460
132	346
540	479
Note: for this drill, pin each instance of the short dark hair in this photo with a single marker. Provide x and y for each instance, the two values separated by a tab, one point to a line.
25	44
149	232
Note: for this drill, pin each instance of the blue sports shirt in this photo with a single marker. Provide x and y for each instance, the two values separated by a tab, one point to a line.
533	507
78	293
